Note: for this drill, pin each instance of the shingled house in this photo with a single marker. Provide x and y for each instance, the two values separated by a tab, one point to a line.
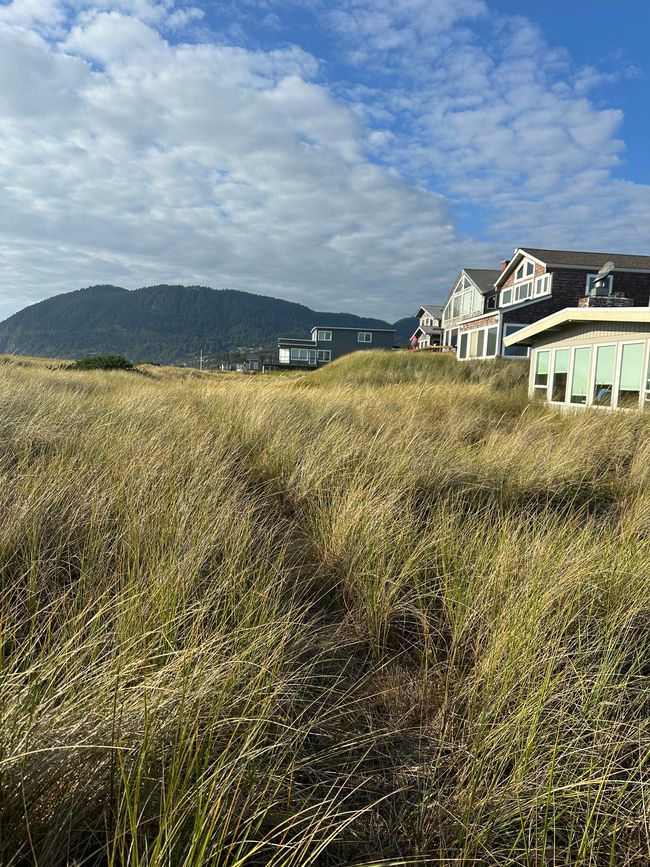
536	283
472	295
429	330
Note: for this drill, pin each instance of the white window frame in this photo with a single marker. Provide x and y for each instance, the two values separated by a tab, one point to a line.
645	392
543	285
615	378
591	371
477	331
551	374
617	373
284	355
364	336
321	335
540	284
533	367
296	356
610	283
324	355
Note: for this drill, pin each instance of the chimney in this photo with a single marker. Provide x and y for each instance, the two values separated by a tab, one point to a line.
504	264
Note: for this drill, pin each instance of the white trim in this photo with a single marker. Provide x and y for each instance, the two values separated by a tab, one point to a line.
323	331
362	335
324	352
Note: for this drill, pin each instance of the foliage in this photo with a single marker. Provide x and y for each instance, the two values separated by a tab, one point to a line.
321	619
101	362
163	323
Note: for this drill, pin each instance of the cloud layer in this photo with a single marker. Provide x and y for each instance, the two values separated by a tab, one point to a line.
138	145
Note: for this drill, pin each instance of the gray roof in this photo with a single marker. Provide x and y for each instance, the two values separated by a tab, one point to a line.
434	310
622	261
484	278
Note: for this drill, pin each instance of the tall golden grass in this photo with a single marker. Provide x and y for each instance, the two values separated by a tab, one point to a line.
384	613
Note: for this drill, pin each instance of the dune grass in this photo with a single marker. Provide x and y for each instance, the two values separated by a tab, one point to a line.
384	613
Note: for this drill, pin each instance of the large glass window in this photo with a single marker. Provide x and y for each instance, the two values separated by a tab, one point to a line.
462	349
473	344
560	373
480	344
541	370
604	380
629	386
580	376
283	355
491	342
299	354
515	351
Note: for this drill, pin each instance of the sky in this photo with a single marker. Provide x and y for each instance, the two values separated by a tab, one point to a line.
347	154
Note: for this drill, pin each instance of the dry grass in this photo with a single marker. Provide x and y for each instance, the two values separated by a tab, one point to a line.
388	612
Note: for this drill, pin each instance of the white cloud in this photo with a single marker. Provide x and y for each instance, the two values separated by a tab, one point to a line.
129	156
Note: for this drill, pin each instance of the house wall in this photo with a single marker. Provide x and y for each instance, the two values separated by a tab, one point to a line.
345	341
568	286
592	336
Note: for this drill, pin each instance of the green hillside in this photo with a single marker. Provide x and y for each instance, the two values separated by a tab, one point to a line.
163	323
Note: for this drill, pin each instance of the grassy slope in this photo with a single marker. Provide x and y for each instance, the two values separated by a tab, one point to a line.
386	610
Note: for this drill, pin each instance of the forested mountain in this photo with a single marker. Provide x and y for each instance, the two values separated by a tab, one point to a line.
164	323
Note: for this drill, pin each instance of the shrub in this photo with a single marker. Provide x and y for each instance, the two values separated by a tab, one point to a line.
102	362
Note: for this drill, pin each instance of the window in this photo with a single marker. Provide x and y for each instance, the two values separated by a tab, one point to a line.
491	302
605	358
560	371
543	285
540	382
580	375
514	351
491	342
629	386
364	337
324	335
604	289
462	351
480	343
299	354
283	355
324	354
526	285
256	365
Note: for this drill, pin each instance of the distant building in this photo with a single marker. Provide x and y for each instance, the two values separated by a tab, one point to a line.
429	330
535	283
589	357
329	342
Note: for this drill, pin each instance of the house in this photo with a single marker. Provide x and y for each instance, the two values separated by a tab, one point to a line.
330	342
261	360
536	283
429	330
473	295
589	357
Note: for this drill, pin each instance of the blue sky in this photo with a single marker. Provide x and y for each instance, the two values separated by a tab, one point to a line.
349	154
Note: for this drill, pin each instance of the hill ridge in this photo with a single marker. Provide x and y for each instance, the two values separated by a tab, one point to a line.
165	322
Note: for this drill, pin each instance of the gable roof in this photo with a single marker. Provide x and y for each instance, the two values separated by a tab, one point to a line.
433	310
555	321
483	278
578	259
